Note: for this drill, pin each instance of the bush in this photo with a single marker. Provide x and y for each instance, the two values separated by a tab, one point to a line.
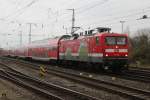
140	47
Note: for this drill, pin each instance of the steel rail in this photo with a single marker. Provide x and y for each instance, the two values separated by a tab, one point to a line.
41	92
69	92
131	92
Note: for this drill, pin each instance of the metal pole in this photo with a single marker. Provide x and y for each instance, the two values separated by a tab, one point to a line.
30	25
30	30
122	24
73	20
20	35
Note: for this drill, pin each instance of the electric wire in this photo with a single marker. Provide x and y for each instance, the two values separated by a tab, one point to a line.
21	9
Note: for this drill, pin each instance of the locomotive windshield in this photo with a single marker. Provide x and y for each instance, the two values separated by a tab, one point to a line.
121	40
111	40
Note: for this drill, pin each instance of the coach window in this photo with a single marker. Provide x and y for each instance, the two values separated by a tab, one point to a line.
97	40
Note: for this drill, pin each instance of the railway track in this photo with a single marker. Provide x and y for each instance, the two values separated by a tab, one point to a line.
50	91
137	74
125	91
140	71
139	68
9	76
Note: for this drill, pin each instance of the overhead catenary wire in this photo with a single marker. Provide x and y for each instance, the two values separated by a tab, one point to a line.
97	3
122	12
92	6
65	17
126	17
105	21
88	7
21	9
81	9
108	15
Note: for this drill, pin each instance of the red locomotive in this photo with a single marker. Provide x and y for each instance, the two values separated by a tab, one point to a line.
98	47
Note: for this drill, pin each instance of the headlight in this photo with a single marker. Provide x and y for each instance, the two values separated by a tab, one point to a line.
126	55
106	55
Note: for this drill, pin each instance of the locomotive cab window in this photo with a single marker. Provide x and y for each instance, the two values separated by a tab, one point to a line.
112	40
121	40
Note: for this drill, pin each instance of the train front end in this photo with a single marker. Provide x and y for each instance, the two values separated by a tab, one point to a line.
115	51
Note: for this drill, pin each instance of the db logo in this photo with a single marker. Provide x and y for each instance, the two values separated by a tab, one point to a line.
116	50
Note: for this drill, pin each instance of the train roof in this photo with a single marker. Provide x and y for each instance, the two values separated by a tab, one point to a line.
54	41
76	36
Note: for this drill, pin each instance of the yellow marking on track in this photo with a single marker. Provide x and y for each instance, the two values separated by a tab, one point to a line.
42	71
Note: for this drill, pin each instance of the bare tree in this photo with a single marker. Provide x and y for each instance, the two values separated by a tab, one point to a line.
141	46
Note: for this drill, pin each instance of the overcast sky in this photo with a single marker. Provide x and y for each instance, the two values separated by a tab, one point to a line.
51	17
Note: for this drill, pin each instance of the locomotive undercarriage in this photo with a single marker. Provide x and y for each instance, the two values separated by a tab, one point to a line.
115	64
